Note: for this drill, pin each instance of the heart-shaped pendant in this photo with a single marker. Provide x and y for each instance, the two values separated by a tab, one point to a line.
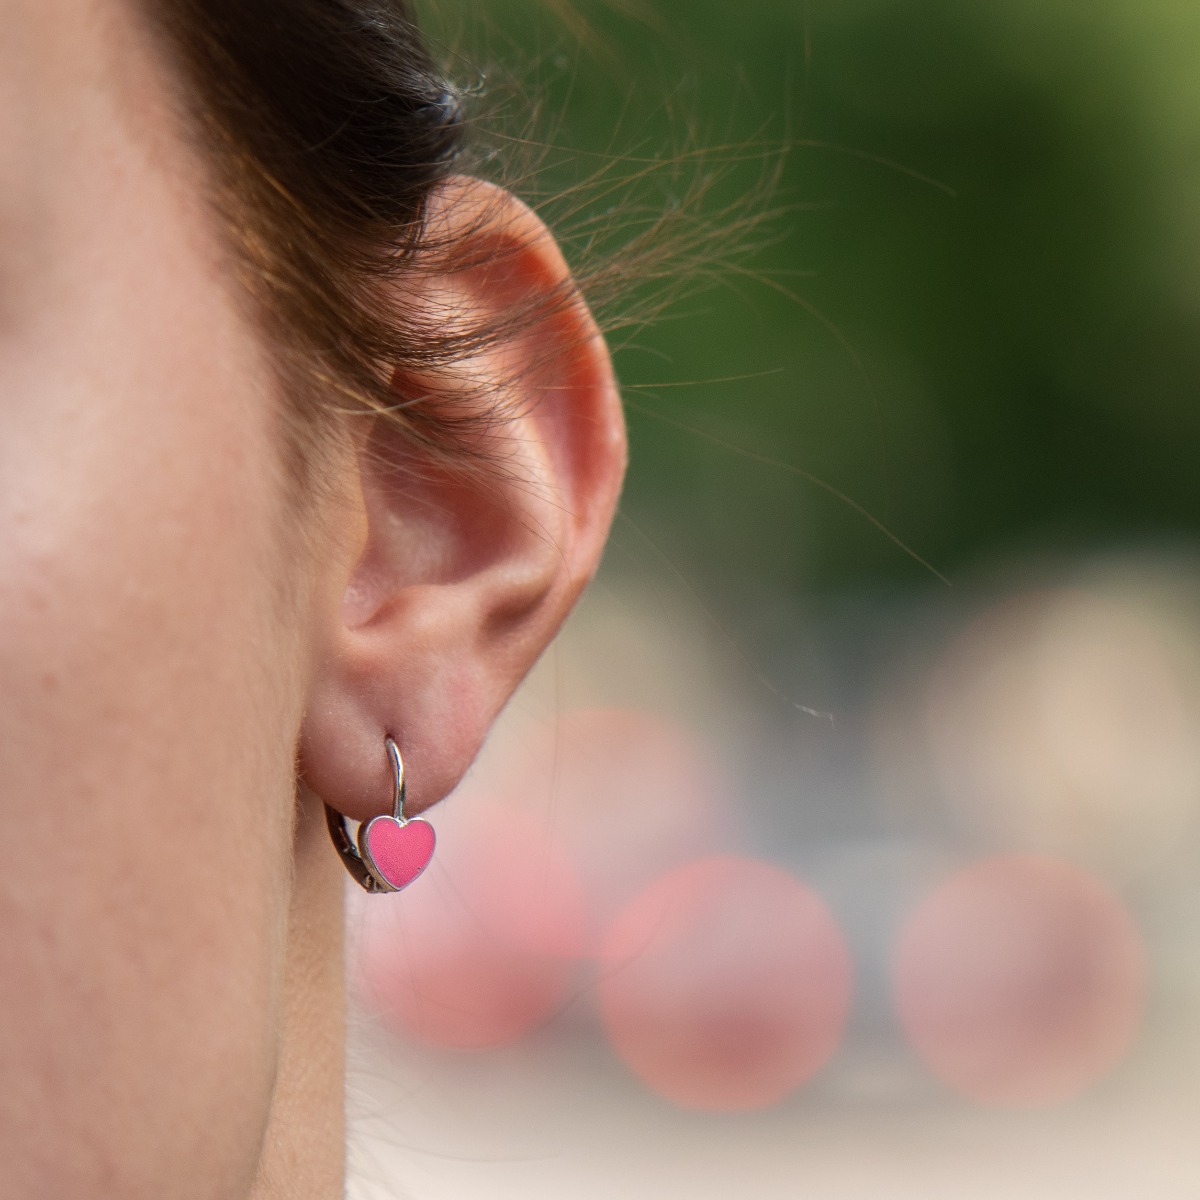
391	851
396	851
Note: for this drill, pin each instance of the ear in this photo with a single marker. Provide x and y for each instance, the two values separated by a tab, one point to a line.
448	587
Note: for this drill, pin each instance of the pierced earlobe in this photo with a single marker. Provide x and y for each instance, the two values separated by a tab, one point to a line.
391	851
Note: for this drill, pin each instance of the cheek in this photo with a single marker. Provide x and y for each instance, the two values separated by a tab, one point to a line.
148	709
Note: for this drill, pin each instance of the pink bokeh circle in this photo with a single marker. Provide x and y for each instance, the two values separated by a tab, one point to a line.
725	984
629	793
484	946
1020	981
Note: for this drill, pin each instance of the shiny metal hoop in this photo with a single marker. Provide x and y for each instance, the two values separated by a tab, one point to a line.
346	846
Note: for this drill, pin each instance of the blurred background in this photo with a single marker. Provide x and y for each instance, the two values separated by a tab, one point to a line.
846	843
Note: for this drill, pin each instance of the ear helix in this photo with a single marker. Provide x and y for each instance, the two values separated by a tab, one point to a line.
390	851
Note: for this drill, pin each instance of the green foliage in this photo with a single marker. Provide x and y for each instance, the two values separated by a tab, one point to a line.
977	310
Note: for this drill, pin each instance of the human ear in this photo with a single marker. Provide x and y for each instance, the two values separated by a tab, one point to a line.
450	583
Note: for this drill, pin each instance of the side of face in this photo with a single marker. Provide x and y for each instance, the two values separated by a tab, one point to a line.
172	636
150	656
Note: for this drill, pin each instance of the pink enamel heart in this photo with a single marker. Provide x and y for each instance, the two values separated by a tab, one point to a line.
397	851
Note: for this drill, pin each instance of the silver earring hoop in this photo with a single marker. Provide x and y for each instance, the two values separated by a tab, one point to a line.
390	851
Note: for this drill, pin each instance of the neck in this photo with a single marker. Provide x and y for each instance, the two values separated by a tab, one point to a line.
303	1154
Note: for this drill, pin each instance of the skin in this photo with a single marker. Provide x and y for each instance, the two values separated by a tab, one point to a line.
174	638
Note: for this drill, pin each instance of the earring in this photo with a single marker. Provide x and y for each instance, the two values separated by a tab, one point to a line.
391	851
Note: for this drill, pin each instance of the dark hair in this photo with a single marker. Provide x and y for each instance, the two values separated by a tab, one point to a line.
329	127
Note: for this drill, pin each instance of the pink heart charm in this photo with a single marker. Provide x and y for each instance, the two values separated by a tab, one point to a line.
396	852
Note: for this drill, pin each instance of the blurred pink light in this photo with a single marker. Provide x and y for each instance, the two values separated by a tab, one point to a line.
628	793
483	947
1020	981
726	984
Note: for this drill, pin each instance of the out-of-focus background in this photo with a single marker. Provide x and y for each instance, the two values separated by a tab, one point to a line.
846	844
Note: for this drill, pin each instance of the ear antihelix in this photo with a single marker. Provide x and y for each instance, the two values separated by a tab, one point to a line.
390	850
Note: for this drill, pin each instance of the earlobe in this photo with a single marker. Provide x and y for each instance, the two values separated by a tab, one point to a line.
456	580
